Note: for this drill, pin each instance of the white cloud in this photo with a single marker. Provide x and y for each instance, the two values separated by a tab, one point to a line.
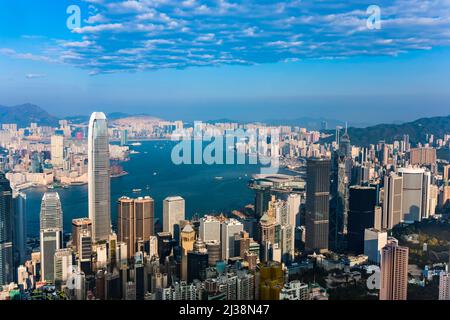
100	28
97	18
124	35
35	75
78	44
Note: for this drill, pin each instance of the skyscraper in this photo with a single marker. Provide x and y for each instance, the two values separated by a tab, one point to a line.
317	204
421	156
173	213
135	222
50	234
446	173
78	226
187	244
262	198
394	271
57	150
341	173
374	241
229	229
145	218
126	224
392	204
214	252
294	201
345	148
412	193
6	232
361	215
444	286
99	177
426	195
123	137
197	261
210	228
20	228
63	265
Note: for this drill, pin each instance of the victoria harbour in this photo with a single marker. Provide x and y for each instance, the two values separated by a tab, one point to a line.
208	189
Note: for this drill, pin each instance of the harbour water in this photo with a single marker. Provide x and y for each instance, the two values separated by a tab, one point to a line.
206	188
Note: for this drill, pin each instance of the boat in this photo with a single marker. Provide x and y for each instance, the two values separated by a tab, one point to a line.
218	178
136	144
154	173
78	183
137	190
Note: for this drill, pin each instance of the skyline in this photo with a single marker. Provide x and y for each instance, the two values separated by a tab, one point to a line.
324	218
324	63
241	151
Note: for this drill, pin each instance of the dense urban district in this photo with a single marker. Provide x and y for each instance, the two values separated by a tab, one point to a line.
343	221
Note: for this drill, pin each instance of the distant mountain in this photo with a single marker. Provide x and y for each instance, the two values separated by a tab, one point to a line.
304	122
417	130
222	120
25	114
312	123
117	115
77	119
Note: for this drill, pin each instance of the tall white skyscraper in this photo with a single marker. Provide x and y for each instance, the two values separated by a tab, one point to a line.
374	241
413	193
99	177
229	229
57	150
63	264
210	228
173	213
50	233
294	201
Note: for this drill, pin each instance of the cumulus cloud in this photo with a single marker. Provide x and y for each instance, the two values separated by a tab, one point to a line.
135	35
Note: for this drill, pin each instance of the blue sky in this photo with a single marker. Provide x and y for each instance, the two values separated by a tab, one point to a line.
241	59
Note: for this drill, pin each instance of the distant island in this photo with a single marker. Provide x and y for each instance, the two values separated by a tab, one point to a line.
417	131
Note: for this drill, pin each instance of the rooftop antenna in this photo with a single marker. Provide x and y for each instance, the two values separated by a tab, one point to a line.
345	126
